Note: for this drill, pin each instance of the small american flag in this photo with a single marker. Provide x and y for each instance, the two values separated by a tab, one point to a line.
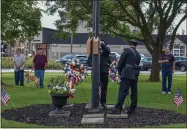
4	97
178	99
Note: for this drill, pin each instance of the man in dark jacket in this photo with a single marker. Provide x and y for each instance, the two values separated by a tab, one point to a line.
128	68
104	70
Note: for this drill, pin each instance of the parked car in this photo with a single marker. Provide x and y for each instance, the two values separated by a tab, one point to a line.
181	63
82	58
7	54
142	56
183	66
113	56
146	63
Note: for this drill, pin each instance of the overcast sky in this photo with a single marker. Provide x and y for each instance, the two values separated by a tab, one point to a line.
48	20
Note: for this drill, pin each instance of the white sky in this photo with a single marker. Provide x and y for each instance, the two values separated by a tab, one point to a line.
48	20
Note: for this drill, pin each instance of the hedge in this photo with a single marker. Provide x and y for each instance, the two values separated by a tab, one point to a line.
7	62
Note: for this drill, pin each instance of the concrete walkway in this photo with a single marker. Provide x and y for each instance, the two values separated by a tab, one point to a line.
89	71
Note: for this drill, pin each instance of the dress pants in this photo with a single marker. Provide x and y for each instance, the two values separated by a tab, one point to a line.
104	82
123	92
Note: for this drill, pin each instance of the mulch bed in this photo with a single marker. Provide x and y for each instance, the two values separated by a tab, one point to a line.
38	114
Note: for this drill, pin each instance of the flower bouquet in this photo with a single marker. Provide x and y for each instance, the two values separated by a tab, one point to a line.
113	72
60	91
58	85
75	73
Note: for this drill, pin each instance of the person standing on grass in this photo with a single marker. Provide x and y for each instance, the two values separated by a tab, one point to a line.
168	66
104	70
39	65
128	69
19	61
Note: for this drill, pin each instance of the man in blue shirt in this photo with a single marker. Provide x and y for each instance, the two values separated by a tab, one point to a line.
168	66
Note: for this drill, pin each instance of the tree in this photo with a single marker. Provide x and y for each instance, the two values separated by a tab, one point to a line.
147	15
20	19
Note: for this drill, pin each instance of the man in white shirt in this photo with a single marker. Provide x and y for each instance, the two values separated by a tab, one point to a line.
19	61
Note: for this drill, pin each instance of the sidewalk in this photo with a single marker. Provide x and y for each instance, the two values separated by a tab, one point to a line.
89	71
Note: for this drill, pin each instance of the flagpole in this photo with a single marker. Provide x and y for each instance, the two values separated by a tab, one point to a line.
177	109
13	104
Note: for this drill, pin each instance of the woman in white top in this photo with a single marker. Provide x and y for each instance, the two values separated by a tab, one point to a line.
19	61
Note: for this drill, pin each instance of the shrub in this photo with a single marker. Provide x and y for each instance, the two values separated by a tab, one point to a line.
7	62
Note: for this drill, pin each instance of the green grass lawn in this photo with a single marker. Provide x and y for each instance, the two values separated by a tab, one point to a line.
149	95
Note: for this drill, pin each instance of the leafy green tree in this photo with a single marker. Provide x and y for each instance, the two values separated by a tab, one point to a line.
20	19
147	15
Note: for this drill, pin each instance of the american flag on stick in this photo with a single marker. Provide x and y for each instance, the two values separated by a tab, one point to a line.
178	99
4	97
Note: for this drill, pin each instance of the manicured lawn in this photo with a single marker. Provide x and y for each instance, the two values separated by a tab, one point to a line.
149	96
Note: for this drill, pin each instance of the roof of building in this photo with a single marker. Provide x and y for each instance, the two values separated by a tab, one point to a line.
182	38
49	36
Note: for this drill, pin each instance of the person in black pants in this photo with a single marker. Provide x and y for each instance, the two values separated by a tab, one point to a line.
104	70
128	68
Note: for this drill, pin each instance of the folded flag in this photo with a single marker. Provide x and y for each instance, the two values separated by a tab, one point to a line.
178	99
4	97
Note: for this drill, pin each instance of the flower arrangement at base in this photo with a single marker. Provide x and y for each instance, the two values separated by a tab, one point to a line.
113	72
58	85
75	73
60	91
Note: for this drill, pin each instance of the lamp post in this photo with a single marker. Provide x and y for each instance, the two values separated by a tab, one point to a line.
95	58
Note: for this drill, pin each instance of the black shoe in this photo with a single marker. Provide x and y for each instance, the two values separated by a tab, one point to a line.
103	105
131	111
115	112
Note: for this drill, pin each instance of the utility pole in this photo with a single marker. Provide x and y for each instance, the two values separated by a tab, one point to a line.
95	58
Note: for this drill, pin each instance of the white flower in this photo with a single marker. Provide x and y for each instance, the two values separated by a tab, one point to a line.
54	88
59	88
64	88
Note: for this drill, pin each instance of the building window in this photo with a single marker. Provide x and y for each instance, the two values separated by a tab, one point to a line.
179	50
176	52
176	46
182	51
55	55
